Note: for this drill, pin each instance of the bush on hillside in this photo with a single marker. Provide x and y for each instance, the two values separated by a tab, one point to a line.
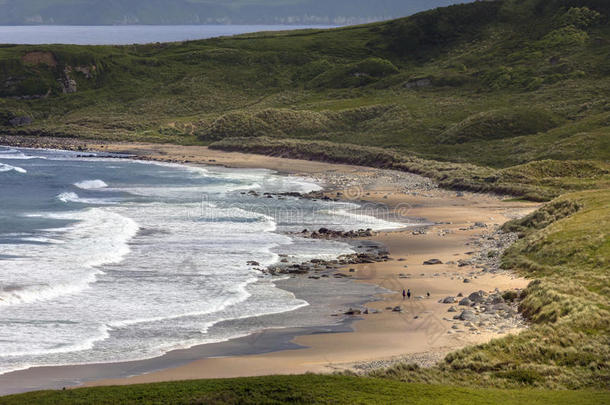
503	77
293	122
236	124
354	116
542	169
500	124
579	17
563	37
355	74
311	70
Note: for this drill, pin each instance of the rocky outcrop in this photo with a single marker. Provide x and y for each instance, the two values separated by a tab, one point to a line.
325	233
493	312
424	82
20	121
431	262
86	70
68	84
325	268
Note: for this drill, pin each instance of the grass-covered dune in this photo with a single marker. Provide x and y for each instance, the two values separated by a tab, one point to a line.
538	180
305	389
490	83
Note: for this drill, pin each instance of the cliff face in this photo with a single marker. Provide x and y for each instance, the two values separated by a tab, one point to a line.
115	12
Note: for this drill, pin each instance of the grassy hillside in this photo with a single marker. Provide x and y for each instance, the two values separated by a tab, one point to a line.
102	12
443	84
306	389
495	84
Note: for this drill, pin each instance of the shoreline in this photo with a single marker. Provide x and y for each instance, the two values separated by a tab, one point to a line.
267	339
421	330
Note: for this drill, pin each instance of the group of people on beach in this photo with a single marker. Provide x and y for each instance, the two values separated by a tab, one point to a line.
406	294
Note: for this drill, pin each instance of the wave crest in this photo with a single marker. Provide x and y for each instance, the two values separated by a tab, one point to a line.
91	184
8	168
71	197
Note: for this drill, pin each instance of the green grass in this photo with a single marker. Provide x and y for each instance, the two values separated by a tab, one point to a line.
304	389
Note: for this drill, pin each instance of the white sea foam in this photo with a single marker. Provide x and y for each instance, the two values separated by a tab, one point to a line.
68	197
100	291
8	168
91	184
81	345
363	220
16	155
54	270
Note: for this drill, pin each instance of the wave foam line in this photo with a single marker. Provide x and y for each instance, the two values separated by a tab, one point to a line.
8	168
69	197
99	237
91	184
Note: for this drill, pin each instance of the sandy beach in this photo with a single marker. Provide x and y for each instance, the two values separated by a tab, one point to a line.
462	238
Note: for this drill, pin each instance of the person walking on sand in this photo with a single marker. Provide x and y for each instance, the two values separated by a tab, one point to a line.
409	293
403	293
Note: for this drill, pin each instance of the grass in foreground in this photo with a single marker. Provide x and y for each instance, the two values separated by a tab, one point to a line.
302	389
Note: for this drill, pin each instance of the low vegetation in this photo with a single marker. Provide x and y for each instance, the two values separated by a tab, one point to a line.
304	389
537	181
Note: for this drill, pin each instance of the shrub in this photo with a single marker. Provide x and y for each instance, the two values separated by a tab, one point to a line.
563	37
579	17
311	70
510	295
354	74
376	67
294	122
500	124
236	125
521	376
551	212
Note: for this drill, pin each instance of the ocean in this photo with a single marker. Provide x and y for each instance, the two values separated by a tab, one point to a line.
128	34
105	259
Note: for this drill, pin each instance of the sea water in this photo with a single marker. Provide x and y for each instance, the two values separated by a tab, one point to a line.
128	34
105	259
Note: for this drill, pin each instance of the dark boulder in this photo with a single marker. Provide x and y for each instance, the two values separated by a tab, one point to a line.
432	262
467	315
